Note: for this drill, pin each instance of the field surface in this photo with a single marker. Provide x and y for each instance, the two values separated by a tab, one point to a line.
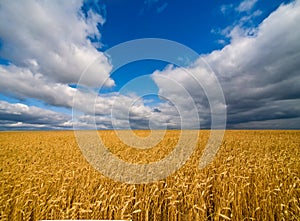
254	176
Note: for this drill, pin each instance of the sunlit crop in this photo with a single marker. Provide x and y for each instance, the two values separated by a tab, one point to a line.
255	176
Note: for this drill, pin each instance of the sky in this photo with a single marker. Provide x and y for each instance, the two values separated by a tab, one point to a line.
232	61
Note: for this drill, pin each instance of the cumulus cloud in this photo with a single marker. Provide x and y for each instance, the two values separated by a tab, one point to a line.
47	47
260	75
22	83
126	111
51	38
190	90
119	111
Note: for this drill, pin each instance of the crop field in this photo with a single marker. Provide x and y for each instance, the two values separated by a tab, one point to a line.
254	176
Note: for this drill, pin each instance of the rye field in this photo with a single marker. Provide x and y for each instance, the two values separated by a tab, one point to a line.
254	176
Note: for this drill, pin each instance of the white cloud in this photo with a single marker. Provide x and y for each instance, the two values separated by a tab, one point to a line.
50	38
258	73
48	48
184	89
246	5
22	83
21	116
242	27
244	24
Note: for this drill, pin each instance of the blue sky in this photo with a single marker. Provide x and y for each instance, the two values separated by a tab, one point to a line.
192	23
250	46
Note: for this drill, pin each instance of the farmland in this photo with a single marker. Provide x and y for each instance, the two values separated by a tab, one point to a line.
254	176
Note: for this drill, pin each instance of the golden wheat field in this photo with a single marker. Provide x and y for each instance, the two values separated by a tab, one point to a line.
255	176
